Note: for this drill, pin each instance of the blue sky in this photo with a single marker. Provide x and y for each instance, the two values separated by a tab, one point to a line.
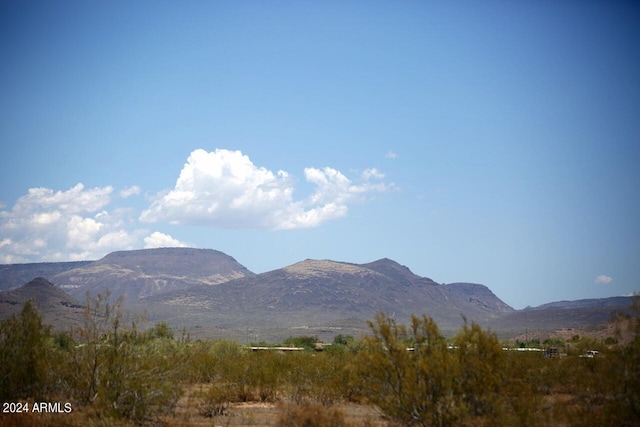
489	142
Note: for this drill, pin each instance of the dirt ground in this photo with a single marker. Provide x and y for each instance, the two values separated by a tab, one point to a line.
258	414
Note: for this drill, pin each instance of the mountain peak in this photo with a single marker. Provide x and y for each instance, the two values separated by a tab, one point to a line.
395	270
39	282
54	306
144	272
388	263
175	261
314	267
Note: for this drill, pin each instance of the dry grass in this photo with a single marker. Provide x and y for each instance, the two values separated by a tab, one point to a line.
281	413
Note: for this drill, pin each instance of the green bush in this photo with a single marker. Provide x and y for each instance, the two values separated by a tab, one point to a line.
115	368
25	356
304	341
481	369
412	387
429	383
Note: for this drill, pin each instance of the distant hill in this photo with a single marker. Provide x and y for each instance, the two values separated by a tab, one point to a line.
314	292
15	275
143	273
562	314
54	305
613	302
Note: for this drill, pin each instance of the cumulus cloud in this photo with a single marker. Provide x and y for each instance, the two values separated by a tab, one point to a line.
76	200
603	279
161	240
75	224
224	188
134	190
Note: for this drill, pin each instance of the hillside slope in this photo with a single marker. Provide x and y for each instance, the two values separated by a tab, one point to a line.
54	305
143	273
315	292
16	275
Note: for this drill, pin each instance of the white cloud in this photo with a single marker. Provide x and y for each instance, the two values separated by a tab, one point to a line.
391	155
46	218
82	231
603	279
224	188
221	188
134	190
48	225
161	240
372	173
74	200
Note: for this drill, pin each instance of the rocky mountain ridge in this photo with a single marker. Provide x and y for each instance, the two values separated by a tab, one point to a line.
146	272
324	291
210	293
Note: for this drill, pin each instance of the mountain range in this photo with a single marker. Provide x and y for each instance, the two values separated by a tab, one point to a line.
314	292
210	294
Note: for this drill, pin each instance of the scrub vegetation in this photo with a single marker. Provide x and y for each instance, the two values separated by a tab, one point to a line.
111	372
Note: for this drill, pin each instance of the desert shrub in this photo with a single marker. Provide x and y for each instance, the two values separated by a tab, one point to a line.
415	378
522	390
329	377
249	375
25	355
311	415
481	369
160	330
214	400
239	372
267	373
115	368
343	340
146	386
412	387
304	341
200	365
298	377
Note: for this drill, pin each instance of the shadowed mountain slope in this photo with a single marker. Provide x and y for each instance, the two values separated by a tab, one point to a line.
54	305
16	275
